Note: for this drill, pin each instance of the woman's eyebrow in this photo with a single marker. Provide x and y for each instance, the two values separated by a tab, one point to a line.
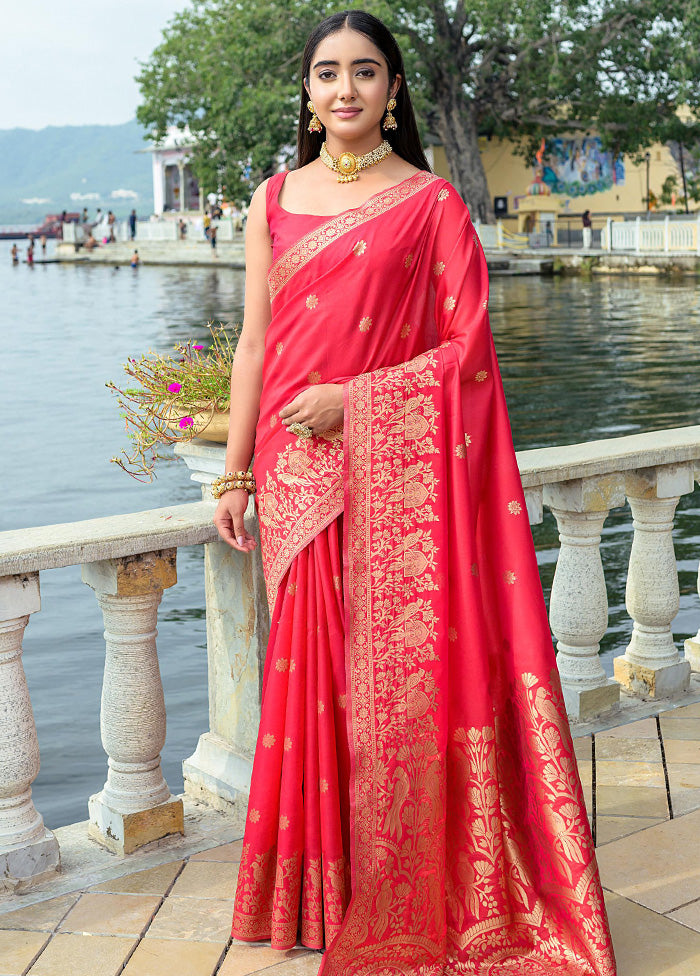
356	61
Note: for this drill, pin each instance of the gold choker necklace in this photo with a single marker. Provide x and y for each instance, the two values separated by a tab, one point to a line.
348	165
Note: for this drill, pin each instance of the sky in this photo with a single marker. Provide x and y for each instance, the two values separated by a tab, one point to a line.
72	62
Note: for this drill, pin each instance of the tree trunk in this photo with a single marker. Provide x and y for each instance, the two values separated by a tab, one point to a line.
457	128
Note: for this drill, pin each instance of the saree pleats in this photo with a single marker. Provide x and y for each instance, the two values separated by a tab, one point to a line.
294	877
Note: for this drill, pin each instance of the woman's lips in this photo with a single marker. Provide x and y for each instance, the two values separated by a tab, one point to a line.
347	113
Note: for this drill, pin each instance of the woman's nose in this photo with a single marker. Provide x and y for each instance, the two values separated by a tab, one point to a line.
346	86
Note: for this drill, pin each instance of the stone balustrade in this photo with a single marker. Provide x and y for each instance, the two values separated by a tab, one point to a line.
129	560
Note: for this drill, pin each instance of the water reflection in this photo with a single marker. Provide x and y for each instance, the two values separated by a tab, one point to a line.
580	359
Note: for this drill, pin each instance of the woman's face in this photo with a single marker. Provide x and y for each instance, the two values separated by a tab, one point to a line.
349	85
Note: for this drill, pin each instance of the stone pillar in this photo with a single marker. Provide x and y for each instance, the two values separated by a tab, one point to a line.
181	172
578	610
28	851
651	666
135	805
238	625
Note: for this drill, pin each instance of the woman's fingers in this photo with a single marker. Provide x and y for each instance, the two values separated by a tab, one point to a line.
228	520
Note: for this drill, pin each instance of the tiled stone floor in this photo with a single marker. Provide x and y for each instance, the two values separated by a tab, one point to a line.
642	788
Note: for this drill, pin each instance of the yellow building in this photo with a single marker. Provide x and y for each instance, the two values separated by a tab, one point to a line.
580	176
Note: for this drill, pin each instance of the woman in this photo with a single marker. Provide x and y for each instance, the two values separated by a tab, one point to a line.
415	806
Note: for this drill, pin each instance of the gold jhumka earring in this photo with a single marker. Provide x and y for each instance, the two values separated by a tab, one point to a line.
315	123
389	120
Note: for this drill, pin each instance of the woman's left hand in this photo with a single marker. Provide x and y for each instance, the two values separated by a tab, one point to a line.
320	407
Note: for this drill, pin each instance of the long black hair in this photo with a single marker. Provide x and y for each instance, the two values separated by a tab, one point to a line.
405	140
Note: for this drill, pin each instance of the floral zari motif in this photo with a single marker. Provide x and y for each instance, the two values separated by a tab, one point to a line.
303	493
447	879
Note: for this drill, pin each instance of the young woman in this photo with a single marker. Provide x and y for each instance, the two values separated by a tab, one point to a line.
415	805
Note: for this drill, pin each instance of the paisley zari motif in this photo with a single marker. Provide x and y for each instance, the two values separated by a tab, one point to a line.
468	849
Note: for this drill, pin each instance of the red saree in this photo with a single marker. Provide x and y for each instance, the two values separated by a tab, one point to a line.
415	804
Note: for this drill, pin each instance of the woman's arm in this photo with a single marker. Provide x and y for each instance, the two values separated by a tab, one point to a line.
246	373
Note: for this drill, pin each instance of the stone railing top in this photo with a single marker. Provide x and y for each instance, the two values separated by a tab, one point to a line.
71	543
549	465
541	466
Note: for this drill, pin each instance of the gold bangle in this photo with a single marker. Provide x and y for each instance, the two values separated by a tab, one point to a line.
233	480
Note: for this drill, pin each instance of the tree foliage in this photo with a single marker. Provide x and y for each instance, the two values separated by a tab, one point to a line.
505	68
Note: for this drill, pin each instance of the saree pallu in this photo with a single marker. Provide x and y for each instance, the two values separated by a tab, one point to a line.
469	848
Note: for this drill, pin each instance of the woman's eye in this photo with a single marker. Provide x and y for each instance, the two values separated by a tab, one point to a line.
325	75
366	73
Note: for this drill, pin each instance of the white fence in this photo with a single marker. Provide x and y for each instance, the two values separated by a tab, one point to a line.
158	230
644	236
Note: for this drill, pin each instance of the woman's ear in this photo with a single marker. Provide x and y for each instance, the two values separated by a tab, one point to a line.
396	84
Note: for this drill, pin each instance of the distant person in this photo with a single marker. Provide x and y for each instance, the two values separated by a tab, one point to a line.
207	225
135	259
587	230
30	252
84	216
111	221
15	254
182	225
132	224
64	216
90	243
43	243
212	238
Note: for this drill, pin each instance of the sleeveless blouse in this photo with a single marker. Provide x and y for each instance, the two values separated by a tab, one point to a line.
285	228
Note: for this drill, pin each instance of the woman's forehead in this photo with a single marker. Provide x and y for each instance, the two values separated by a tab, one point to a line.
346	46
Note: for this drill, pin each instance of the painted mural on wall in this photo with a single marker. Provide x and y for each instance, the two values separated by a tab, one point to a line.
579	166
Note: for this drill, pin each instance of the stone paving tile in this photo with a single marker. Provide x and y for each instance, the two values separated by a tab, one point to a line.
680	728
683	776
98	913
612	828
227	852
154	881
163	957
582	747
610	772
197	919
585	772
17	949
631	801
683	711
243	959
684	801
647	944
653	867
207	879
688	915
42	917
628	750
307	965
645	728
82	955
681	750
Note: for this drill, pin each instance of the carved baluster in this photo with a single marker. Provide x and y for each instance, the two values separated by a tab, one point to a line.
692	644
651	666
579	602
135	805
28	851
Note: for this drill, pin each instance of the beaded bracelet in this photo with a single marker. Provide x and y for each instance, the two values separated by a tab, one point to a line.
232	480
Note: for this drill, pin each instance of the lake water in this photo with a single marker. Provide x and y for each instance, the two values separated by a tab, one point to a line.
580	358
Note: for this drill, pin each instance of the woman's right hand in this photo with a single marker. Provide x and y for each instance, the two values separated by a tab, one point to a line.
228	520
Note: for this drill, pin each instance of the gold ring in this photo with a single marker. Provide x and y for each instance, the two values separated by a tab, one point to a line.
301	430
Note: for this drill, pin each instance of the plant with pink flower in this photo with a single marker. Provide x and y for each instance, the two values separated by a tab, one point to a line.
177	398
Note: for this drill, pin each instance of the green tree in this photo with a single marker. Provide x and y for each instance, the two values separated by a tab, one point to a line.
505	68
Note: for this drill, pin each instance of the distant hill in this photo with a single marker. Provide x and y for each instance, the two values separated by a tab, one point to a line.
46	166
